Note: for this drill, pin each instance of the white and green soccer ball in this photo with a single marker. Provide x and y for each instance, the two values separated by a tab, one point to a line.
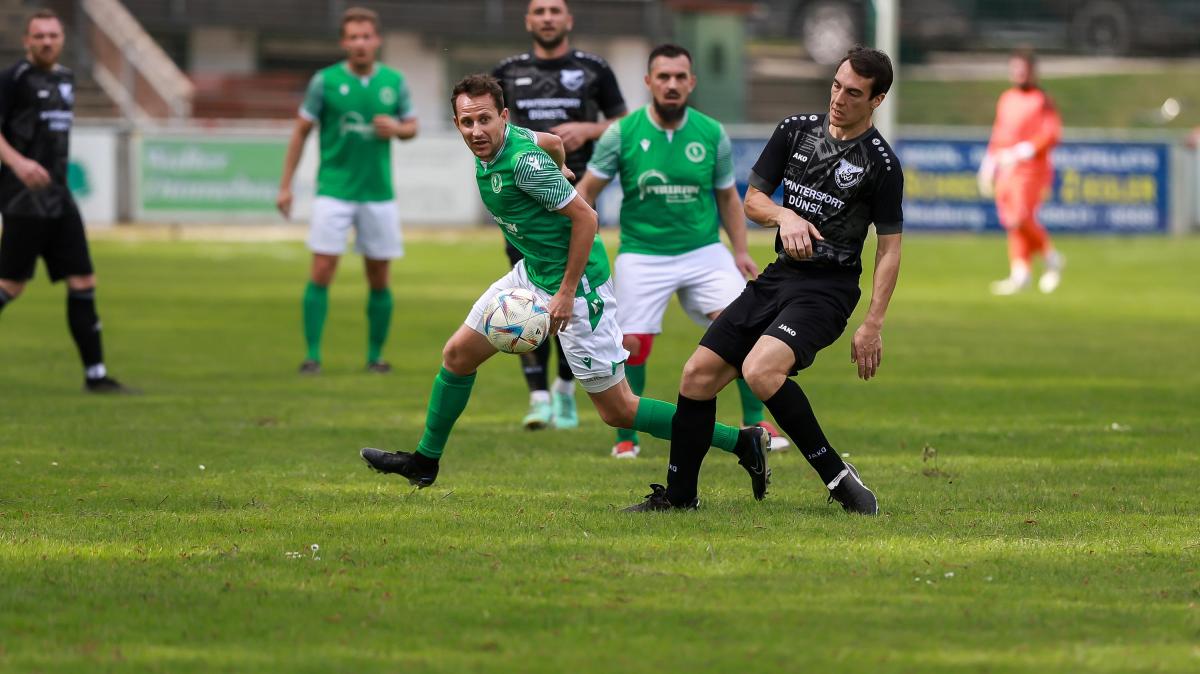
515	322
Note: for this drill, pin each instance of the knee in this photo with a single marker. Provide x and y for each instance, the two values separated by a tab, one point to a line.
763	378
12	288
81	283
619	413
456	359
700	381
638	347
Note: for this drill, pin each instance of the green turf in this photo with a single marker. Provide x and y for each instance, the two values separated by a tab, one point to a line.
1119	101
1055	531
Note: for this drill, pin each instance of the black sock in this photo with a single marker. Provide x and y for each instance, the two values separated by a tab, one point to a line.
533	364
85	325
794	414
691	434
564	368
5	298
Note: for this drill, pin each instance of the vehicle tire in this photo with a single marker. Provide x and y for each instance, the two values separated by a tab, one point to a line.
1102	27
829	28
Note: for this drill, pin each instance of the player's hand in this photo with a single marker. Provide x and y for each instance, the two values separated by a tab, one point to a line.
32	174
561	306
283	202
986	178
797	235
568	174
573	134
866	349
386	126
746	265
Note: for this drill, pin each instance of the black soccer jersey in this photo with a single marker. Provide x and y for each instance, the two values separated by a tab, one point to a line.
36	112
541	94
841	187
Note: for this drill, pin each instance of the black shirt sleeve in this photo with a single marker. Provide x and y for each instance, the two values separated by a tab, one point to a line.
768	170
886	210
8	91
608	94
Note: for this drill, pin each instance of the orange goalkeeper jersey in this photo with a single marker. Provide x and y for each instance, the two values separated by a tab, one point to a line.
1026	115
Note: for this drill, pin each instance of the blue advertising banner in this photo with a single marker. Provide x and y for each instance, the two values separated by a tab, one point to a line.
1111	187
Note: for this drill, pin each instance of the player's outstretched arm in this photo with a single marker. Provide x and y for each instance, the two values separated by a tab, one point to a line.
866	349
795	233
584	225
733	219
590	187
290	161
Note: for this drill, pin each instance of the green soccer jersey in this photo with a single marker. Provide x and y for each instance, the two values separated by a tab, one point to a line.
668	177
523	188
356	164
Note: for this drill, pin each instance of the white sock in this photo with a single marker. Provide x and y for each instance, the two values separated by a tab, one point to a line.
539	397
1019	273
564	386
1053	261
96	371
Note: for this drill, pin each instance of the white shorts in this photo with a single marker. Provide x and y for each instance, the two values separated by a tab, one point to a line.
594	353
707	280
376	227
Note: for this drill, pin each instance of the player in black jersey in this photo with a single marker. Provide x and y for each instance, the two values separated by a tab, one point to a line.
40	216
556	89
839	177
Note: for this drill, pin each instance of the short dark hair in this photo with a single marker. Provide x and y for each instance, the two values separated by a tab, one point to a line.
871	64
356	14
668	50
41	14
477	85
1025	54
566	6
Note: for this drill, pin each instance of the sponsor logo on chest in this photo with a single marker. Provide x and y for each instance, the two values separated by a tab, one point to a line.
571	79
655	183
847	175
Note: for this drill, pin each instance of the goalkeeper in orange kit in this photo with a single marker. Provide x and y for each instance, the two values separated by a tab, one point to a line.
1017	171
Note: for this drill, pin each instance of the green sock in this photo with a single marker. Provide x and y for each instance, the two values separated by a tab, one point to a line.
379	319
636	376
448	400
752	407
654	417
316	306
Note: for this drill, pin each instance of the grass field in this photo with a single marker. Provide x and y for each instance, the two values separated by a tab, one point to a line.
1102	100
1055	531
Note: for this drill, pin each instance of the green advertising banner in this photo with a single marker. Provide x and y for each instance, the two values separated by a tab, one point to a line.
210	175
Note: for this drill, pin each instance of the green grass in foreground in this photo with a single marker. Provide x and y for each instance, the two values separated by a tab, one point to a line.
1118	101
1055	533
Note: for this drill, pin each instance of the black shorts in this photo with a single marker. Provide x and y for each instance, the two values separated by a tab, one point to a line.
514	255
807	309
60	241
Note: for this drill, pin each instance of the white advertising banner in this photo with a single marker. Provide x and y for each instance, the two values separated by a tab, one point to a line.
92	173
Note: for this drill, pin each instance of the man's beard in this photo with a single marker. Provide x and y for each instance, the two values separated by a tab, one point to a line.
673	114
551	44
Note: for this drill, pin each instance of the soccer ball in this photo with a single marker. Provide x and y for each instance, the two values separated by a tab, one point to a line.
514	321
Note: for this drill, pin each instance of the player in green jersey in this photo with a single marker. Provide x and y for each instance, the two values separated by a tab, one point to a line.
676	167
360	105
520	178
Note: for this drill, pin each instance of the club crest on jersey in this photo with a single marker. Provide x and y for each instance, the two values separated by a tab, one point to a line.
571	79
67	92
645	145
847	174
387	96
497	183
695	152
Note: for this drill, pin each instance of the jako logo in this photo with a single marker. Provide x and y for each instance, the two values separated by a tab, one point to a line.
817	453
785	328
799	157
